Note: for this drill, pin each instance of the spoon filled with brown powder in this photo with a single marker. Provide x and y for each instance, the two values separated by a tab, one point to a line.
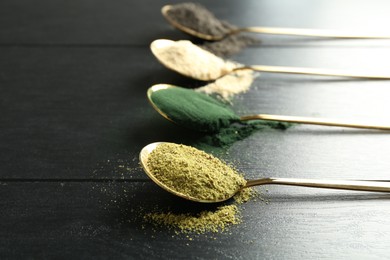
196	20
198	176
190	60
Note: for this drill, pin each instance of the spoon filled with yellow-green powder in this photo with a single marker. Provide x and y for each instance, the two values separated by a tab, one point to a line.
198	176
204	113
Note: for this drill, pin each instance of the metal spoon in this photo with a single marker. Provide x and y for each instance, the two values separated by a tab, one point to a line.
280	118
266	30
374	186
192	61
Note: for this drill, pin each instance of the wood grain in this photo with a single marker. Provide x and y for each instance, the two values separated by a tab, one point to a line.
74	116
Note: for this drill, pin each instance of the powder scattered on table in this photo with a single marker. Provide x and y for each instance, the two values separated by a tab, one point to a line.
215	220
218	143
230	45
230	85
205	221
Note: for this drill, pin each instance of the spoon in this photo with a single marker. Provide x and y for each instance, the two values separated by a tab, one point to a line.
192	117
228	29
192	61
374	186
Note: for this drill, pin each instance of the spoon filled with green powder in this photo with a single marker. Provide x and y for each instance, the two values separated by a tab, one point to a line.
196	20
200	112
192	61
198	176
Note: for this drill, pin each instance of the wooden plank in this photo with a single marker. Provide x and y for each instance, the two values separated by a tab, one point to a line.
104	220
87	22
82	113
66	112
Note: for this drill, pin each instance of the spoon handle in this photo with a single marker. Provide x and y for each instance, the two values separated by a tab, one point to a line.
375	186
312	33
313	121
314	71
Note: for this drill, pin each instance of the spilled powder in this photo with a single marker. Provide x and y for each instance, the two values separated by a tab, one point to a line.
230	45
218	220
205	221
245	195
191	60
230	85
218	143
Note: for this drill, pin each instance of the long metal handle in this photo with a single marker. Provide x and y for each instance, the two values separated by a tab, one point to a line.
375	186
313	33
313	121
314	71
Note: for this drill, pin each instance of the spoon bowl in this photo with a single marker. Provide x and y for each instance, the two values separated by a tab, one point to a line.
190	118
231	29
149	94
144	157
373	186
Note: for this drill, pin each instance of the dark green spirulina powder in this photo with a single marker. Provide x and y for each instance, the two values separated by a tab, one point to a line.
218	143
194	110
204	113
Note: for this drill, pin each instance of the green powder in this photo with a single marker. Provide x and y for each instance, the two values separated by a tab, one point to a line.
194	173
194	110
205	221
200	112
218	143
214	220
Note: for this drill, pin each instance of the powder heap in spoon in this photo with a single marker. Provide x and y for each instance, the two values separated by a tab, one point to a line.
193	110
188	59
194	173
198	18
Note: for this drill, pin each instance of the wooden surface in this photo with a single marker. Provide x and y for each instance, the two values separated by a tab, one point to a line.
74	116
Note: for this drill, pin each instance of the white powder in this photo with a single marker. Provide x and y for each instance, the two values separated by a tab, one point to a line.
188	59
231	84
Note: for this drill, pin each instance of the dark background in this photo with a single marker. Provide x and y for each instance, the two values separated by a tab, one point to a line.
74	116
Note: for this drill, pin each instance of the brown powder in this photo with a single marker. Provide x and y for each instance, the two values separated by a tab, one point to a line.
230	45
198	18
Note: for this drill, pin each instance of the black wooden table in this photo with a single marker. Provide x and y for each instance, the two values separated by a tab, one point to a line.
74	116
